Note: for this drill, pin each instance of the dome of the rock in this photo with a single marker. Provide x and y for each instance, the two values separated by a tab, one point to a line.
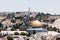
36	23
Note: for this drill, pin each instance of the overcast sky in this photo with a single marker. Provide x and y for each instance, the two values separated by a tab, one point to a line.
46	6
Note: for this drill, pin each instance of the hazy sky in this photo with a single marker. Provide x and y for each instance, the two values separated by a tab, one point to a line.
50	6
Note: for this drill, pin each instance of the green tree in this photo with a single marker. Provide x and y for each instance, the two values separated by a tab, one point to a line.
16	33
58	31
9	38
22	33
34	32
13	29
54	29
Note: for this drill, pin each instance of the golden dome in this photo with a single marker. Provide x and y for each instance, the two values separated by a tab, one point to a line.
36	23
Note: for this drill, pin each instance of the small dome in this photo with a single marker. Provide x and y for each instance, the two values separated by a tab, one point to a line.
36	23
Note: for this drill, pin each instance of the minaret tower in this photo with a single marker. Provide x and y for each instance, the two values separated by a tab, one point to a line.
29	10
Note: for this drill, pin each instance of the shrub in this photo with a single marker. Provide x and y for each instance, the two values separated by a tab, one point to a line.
22	33
16	33
9	38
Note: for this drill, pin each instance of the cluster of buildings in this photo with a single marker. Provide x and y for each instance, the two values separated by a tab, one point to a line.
37	33
27	23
